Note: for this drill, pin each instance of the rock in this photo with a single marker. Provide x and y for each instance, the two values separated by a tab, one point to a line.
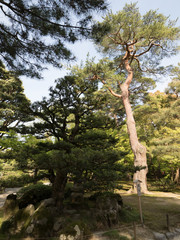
53	210
11	197
108	208
78	231
48	202
23	217
42	221
64	237
70	211
169	235
58	224
112	217
176	237
30	229
10	206
159	236
77	194
29	209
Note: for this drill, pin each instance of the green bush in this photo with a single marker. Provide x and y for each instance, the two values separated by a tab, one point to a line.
6	226
15	179
33	194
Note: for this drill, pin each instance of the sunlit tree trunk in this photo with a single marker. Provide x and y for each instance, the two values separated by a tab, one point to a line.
176	179
138	149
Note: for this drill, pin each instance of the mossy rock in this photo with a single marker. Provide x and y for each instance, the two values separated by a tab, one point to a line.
43	221
10	207
19	221
70	224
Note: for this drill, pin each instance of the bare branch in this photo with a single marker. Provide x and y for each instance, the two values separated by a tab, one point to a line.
147	50
138	63
110	90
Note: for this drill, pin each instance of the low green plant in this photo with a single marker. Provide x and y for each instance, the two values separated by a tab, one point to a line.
164	184
114	235
129	215
6	226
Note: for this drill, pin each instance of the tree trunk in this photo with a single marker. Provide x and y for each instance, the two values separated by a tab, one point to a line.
138	149
176	179
59	188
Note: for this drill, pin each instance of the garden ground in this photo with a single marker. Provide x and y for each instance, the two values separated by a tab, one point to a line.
155	206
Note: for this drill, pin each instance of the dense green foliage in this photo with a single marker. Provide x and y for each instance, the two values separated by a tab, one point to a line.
159	127
13	102
79	133
33	194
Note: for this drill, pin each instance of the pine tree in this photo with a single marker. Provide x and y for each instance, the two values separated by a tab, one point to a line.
134	42
34	33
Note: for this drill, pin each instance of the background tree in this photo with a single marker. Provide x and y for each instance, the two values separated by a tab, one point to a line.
13	103
82	148
158	126
36	32
134	42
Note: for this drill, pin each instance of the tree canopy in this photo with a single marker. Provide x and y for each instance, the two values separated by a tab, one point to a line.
36	32
13	103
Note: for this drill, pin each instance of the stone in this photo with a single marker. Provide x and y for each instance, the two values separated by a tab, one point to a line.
172	235
30	229
11	197
177	237
64	237
78	231
29	209
48	202
10	206
42	221
70	211
57	224
53	211
70	237
159	236
77	194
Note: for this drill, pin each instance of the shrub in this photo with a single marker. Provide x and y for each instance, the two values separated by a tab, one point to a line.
6	226
33	194
15	179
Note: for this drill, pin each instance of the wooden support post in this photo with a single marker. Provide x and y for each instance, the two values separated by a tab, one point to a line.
140	211
134	227
168	223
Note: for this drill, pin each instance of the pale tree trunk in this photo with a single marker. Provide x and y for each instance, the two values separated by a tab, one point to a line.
176	179
138	149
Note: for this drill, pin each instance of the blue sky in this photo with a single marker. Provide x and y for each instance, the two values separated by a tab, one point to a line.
36	89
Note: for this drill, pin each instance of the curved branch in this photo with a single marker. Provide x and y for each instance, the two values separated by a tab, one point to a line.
16	11
111	91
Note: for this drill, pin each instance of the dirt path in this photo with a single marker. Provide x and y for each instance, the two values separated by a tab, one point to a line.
4	195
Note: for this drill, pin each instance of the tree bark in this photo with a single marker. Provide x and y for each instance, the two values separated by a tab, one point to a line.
138	149
176	179
59	188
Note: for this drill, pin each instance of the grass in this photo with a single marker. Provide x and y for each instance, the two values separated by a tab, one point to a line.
1	216
155	210
114	235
